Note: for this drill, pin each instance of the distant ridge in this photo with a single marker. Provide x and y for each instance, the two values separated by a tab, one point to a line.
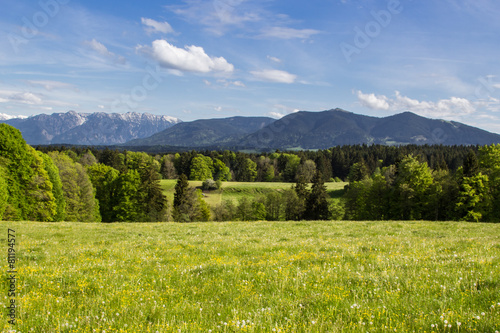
89	128
318	130
206	132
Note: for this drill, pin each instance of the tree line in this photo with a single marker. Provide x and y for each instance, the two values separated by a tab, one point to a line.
90	184
334	163
411	190
66	186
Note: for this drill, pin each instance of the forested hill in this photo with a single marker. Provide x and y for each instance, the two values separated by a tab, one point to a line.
317	130
206	132
321	130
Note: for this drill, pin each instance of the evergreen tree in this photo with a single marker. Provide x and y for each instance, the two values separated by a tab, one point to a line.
317	207
186	201
471	164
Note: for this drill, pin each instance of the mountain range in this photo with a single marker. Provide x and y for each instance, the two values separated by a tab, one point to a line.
89	128
299	130
318	130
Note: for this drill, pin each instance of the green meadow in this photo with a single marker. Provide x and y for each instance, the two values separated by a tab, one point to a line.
237	190
255	277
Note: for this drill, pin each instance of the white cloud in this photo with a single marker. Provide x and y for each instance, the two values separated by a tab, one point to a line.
274	75
218	16
190	59
444	108
280	110
227	83
26	98
274	59
276	114
153	26
51	85
373	102
288	33
103	50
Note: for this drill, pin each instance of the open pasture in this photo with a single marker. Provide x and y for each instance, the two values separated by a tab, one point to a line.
256	277
237	190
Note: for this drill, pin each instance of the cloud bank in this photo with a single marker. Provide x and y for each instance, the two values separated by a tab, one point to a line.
444	108
189	59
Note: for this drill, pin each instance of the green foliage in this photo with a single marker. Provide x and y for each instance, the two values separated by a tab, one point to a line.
306	171
205	213
81	204
167	167
473	197
248	171
186	202
209	184
4	191
359	171
489	161
412	187
221	171
317	207
104	179
201	168
57	187
127	206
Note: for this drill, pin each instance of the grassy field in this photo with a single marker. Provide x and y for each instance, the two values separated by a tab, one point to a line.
236	190
256	277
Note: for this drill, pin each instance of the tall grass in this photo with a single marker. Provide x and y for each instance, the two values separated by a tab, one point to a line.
257	277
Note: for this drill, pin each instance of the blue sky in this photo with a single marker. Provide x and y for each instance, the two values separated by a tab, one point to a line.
196	59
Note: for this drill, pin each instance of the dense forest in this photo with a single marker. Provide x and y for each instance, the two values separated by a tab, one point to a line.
57	183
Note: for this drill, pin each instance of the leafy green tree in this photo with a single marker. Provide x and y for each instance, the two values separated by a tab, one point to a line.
225	211
127	206
317	207
274	206
104	179
489	161
294	206
167	167
473	198
87	159
221	171
41	201
306	171
258	211
81	204
248	171
18	175
57	188
292	163
244	211
359	171
205	214
412	188
201	168
4	191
